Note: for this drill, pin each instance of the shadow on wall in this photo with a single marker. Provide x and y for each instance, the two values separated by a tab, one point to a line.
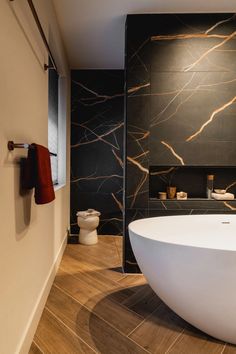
22	201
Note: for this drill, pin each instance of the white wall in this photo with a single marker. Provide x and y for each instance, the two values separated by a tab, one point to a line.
32	236
101	23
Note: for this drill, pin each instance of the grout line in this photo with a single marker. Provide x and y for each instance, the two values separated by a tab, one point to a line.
171	346
90	310
71	330
38	346
134	284
88	275
106	293
223	348
85	274
146	318
91	268
136	294
125	276
102	319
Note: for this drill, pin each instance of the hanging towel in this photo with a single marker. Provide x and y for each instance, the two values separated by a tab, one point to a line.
37	174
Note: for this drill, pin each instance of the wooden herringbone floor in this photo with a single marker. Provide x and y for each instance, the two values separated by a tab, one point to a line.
94	308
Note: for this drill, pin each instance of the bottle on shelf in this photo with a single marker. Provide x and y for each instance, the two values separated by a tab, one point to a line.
210	186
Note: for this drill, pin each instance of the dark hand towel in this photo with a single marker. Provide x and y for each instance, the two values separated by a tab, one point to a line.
38	174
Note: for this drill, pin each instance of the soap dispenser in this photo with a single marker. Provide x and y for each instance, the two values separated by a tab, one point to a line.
210	183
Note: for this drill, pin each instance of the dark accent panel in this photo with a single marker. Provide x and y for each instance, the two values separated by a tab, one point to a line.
97	128
180	108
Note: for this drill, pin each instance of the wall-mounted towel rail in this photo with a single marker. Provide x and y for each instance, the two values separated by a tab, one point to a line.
11	146
43	36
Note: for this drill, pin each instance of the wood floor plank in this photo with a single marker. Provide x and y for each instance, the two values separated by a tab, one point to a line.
95	278
230	349
94	307
53	337
106	253
111	271
82	290
97	333
121	294
71	265
34	349
119	245
133	280
144	301
100	303
199	343
159	331
108	240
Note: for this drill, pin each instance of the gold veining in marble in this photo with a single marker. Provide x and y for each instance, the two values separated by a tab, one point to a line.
92	177
157	173
138	164
172	100
213	115
141	155
98	137
120	205
97	98
173	152
230	185
228	38
118	158
183	36
229	206
217	24
137	88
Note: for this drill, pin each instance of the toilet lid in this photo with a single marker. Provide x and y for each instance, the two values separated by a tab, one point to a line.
87	213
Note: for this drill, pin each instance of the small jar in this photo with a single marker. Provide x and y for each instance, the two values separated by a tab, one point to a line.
171	192
210	186
162	195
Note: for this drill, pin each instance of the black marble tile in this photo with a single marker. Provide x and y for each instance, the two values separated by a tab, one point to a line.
97	129
181	79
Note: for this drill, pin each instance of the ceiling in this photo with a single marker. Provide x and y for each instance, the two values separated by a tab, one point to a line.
93	30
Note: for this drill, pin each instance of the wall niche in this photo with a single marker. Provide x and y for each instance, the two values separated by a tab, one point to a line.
180	109
191	179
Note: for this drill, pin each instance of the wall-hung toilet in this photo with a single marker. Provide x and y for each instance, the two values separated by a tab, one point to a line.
88	221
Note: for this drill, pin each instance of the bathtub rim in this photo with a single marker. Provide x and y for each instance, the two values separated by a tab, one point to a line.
199	246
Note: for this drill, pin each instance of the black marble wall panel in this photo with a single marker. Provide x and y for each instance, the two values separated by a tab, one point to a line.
97	128
180	108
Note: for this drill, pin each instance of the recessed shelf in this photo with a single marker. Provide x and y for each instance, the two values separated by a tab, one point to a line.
191	179
189	199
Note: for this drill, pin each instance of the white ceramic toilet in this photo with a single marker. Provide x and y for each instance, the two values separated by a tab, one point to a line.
88	221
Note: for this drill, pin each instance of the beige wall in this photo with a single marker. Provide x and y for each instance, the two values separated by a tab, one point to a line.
31	235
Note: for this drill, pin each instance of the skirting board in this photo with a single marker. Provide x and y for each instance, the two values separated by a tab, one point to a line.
31	327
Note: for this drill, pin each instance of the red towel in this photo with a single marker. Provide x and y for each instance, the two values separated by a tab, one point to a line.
37	174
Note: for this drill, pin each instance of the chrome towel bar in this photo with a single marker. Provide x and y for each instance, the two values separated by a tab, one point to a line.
11	146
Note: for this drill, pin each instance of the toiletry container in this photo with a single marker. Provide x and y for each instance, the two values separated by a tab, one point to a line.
88	221
162	195
171	192
210	186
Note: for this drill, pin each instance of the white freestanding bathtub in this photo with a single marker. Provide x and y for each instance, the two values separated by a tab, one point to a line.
190	262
